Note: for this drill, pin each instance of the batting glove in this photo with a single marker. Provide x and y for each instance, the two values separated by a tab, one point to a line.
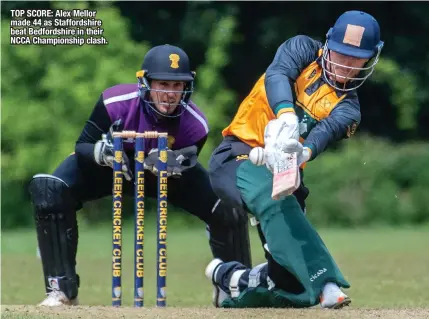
280	130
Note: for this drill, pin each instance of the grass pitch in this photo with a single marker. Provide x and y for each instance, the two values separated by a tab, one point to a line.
387	268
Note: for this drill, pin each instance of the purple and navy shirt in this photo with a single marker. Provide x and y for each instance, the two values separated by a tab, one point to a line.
123	102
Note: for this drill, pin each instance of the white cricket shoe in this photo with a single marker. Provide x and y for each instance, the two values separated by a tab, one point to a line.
333	298
57	298
218	294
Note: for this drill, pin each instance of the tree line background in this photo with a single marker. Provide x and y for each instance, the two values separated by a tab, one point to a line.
381	175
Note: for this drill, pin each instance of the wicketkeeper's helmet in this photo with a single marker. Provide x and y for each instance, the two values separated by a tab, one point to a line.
169	63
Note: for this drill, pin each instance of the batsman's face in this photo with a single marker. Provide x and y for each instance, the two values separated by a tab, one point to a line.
344	67
166	95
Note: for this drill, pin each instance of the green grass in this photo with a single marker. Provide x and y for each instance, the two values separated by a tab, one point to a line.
387	268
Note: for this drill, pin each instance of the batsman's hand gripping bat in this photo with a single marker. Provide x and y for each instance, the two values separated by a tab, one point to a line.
285	169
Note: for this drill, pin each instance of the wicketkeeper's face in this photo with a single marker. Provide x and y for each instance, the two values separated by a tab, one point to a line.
166	95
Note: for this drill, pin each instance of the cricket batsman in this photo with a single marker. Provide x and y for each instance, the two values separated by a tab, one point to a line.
159	101
304	102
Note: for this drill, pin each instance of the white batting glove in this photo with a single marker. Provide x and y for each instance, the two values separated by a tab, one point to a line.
292	146
304	156
273	155
280	130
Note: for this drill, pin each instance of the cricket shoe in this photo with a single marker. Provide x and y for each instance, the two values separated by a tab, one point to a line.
218	294
333	298
57	298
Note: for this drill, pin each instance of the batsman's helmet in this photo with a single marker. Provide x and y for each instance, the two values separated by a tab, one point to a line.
355	34
168	63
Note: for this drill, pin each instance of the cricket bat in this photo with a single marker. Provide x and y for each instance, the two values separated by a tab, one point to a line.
286	178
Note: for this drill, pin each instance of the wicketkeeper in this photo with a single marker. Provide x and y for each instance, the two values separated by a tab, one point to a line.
160	101
305	101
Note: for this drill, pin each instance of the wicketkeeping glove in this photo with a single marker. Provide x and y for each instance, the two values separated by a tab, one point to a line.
151	161
104	154
177	161
187	157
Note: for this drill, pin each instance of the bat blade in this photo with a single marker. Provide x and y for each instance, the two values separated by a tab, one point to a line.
286	178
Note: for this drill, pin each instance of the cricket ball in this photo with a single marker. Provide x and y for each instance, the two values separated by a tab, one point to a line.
256	156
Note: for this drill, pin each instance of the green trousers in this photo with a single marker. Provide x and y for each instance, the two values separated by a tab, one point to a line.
292	241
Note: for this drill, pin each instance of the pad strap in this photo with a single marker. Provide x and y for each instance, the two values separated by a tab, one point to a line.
233	284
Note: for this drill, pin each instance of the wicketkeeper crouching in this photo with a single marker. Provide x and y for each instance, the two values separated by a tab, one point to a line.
159	101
